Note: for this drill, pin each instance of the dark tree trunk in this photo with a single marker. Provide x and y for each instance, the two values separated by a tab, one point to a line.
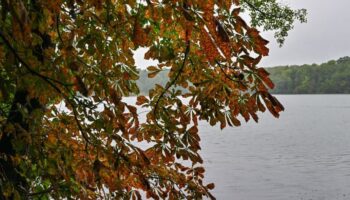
8	171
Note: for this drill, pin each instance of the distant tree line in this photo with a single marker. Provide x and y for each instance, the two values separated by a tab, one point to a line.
332	77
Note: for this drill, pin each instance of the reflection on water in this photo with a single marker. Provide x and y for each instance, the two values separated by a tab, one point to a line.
303	155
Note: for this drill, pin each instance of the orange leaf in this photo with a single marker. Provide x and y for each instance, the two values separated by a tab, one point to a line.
152	68
211	186
141	100
153	74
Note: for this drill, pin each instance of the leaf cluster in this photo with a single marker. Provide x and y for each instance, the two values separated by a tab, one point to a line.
272	15
65	66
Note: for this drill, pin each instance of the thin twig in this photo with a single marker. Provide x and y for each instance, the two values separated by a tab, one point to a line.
85	136
58	27
226	75
171	83
41	192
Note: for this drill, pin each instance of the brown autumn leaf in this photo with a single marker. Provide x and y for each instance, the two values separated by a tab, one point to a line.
141	100
211	186
91	142
153	74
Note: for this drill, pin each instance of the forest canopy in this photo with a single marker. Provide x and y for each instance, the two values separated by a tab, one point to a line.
331	77
65	66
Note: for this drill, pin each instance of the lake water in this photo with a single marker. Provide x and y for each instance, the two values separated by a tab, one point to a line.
303	155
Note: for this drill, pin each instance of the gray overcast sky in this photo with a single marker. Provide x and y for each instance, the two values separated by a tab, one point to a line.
324	37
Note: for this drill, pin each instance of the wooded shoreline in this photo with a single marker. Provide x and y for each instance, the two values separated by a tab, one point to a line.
332	77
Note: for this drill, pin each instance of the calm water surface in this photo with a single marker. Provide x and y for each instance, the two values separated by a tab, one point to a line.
303	155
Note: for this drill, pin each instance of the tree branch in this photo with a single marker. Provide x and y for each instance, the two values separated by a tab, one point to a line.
45	78
252	6
41	192
171	83
226	75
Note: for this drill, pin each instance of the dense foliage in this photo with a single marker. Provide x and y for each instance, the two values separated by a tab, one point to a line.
332	77
65	65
